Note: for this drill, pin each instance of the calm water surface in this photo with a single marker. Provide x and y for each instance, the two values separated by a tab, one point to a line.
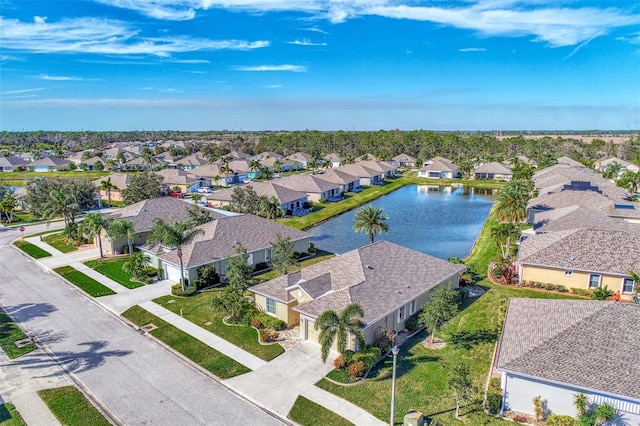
438	220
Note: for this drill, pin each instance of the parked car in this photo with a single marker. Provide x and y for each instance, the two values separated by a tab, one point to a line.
204	190
177	195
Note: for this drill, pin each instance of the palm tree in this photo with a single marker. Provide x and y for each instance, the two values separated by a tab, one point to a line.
254	166
636	281
605	413
176	235
629	181
370	219
135	264
612	170
505	231
334	326
196	197
276	165
121	228
511	205
92	224
112	164
602	293
581	403
107	186
61	202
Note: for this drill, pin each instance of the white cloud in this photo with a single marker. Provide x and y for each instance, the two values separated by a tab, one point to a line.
473	49
306	42
56	77
21	91
100	36
284	67
273	86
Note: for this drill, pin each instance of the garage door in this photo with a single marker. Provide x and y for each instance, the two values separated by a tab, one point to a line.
172	273
311	333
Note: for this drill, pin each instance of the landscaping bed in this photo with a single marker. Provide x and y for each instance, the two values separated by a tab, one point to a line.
112	268
31	249
208	358
71	407
57	242
84	282
10	333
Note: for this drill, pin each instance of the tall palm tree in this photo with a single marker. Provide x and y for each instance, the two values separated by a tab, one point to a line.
92	224
370	219
337	327
61	202
107	186
276	165
506	231
511	205
123	228
255	166
629	181
176	235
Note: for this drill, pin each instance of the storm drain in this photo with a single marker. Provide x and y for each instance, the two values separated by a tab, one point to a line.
23	342
149	327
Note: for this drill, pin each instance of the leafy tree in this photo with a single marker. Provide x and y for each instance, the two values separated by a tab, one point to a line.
142	187
198	216
268	207
337	327
122	228
135	264
8	203
107	186
511	205
441	307
283	257
176	235
244	199
238	270
79	194
459	379
231	302
370	219
612	170
92	225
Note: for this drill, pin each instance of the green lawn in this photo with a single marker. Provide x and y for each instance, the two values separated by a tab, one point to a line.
308	413
112	268
57	242
22	178
71	407
9	416
31	249
24	216
9	333
197	309
84	282
208	358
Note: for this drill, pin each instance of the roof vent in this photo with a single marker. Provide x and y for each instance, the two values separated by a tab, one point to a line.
369	267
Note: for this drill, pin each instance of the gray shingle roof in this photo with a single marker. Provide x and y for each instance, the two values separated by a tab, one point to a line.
307	183
439	166
587	344
12	161
570	162
493	167
596	250
381	277
177	177
120	180
575	217
268	189
338	176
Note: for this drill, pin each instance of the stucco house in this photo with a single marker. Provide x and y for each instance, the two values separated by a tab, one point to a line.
182	180
570	162
302	158
12	164
347	182
493	171
366	174
119	180
404	160
190	162
577	216
137	164
219	241
624	165
314	186
390	282
48	164
290	200
572	346
581	258
335	159
439	168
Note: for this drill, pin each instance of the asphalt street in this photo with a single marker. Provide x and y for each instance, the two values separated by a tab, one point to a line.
130	376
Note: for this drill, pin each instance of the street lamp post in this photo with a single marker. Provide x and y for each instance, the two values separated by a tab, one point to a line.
394	351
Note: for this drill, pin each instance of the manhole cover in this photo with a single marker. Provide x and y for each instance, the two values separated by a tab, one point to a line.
171	301
23	342
208	323
147	328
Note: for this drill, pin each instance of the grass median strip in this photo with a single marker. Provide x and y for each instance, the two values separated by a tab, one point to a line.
71	407
308	413
205	356
10	333
112	268
31	249
9	416
84	282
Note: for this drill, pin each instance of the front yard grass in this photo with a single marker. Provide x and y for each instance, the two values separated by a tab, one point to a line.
9	416
84	282
57	242
31	249
71	407
208	358
198	310
10	333
308	413
112	268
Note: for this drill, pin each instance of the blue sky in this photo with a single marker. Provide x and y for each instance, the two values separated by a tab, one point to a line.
319	64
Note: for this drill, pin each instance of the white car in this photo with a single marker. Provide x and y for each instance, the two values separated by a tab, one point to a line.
204	190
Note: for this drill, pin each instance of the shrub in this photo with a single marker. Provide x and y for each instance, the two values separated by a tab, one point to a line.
268	321
338	363
560	420
494	396
176	290
581	291
550	286
322	200
348	356
368	357
160	273
150	271
261	266
357	369
520	418
538	408
147	280
255	322
125	249
312	248
267	335
208	276
462	294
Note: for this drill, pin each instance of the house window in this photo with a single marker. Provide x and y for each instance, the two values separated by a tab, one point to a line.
267	255
627	285
568	272
250	259
412	307
271	306
594	280
402	313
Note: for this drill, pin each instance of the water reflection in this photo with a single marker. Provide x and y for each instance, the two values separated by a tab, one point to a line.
443	221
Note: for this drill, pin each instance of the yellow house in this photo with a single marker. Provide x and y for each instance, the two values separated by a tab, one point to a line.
388	281
581	258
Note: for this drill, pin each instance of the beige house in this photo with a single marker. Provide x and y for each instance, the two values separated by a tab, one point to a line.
179	179
119	180
439	168
493	171
581	258
290	200
314	186
390	282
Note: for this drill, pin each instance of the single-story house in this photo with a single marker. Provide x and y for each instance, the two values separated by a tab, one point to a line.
212	173
572	346
348	182
439	168
237	155
12	164
367	175
290	200
268	154
142	214
314	186
119	180
567	161
179	179
189	162
404	160
302	158
581	258
91	163
284	164
137	164
493	171
219	241
48	164
335	160
388	281
577	216
624	165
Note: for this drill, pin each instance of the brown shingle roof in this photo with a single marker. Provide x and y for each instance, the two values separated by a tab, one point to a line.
577	342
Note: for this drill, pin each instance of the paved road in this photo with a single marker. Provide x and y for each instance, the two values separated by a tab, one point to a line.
133	377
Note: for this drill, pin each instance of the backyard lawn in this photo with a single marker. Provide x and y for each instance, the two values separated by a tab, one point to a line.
31	249
112	268
10	333
208	358
57	242
84	282
71	407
